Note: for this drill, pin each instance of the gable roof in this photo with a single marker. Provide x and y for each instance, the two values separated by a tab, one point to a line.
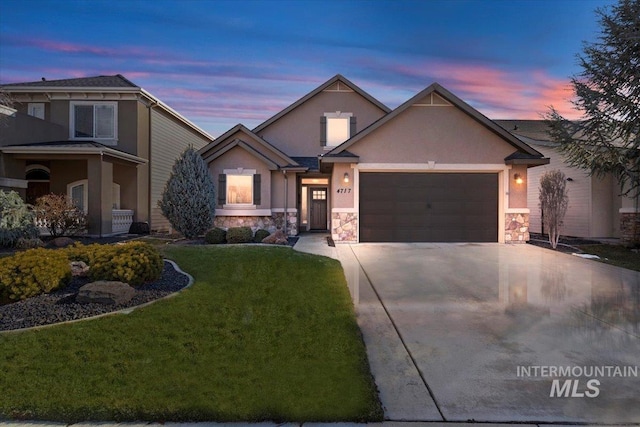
267	152
521	147
335	79
93	82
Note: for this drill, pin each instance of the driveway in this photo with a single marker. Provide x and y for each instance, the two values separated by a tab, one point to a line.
462	332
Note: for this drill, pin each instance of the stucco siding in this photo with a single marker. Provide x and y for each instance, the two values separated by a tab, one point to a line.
443	134
168	140
298	132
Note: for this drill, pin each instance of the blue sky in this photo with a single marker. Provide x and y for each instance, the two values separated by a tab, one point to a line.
220	63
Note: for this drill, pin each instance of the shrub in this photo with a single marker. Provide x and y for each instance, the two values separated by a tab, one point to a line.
189	198
134	263
84	253
239	235
30	243
216	236
16	219
260	235
60	215
32	272
553	203
139	228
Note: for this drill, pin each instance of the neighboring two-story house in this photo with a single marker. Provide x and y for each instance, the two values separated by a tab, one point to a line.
337	160
105	142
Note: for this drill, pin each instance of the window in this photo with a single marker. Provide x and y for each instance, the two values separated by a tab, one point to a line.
239	188
93	120
77	192
336	128
36	109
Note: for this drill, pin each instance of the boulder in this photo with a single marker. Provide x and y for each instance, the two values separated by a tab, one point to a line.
62	242
79	269
105	292
277	238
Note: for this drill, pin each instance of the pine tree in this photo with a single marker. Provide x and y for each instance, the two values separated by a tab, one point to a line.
189	198
607	92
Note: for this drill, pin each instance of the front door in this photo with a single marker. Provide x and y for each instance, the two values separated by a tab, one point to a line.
35	190
318	218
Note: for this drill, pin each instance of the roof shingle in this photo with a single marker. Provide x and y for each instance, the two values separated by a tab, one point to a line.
97	81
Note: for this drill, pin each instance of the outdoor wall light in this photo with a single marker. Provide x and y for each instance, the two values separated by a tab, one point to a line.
518	178
346	177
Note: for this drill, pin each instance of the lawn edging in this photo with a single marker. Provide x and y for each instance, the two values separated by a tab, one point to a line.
127	310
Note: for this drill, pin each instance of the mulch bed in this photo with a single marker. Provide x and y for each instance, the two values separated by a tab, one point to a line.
61	306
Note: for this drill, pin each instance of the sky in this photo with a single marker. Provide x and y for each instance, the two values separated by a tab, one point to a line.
220	63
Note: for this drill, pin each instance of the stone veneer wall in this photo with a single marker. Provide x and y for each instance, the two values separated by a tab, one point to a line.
516	228
627	226
344	226
269	223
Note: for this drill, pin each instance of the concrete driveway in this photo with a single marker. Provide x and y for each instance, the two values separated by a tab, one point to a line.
460	332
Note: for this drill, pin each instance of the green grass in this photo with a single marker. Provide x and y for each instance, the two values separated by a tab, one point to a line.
617	255
264	334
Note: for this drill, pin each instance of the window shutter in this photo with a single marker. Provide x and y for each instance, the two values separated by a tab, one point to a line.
352	126
257	190
222	189
323	130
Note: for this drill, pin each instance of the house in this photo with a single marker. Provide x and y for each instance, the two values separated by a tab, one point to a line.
104	141
596	209
337	160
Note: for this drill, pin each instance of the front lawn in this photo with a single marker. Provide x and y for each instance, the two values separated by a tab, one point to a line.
617	255
265	333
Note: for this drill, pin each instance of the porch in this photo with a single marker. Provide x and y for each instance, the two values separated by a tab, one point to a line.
121	220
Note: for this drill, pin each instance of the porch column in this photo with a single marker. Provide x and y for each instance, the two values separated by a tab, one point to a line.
100	177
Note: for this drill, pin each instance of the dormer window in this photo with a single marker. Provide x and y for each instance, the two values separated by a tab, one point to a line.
94	121
336	128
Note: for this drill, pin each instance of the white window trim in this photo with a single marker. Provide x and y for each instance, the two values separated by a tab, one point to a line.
337	115
85	193
32	107
241	172
72	124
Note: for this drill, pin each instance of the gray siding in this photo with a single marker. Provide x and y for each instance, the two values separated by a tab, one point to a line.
169	138
593	203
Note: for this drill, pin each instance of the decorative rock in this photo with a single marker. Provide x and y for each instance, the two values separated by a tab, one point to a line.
62	242
105	292
79	269
277	238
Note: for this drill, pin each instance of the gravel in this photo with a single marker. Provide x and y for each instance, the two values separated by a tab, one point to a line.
61	305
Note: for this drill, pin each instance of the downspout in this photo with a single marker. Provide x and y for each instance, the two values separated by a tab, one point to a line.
286	198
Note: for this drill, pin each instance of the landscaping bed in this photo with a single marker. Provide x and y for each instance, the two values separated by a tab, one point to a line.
264	334
61	306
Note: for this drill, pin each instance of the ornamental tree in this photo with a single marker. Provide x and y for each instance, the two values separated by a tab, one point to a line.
189	197
607	93
553	203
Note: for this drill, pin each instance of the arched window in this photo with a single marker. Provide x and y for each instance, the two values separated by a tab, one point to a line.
79	194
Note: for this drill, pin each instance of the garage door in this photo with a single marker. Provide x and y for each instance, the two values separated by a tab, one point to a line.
428	207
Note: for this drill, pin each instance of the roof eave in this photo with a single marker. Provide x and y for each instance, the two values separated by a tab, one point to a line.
16	149
528	162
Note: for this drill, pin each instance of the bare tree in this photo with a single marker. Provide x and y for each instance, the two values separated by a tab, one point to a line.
553	202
